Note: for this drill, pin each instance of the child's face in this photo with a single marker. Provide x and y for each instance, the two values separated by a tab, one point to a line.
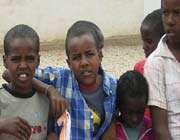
149	44
171	19
21	62
132	112
84	59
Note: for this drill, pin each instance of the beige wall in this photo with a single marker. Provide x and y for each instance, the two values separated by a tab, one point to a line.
51	18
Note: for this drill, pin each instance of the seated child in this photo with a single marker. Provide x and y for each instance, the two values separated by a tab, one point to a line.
132	97
151	32
23	113
88	89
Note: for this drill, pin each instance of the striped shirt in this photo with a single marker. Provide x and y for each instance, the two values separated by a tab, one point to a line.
81	116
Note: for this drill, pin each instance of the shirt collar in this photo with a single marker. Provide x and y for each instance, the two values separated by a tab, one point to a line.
163	50
106	82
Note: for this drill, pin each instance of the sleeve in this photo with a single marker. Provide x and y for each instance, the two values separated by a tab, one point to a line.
154	73
49	75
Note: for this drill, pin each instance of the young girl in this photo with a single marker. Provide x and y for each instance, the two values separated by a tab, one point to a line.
129	123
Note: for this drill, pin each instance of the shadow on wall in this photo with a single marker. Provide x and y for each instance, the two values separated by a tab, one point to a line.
121	40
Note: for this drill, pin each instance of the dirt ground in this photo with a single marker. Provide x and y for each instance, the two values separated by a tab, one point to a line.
119	56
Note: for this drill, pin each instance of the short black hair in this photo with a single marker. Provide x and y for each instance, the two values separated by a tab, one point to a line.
20	31
154	21
82	27
131	84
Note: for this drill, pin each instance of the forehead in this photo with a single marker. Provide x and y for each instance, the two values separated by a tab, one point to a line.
22	45
172	4
83	42
134	104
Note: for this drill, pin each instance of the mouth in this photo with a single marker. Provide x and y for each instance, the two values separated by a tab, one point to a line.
86	73
170	33
23	76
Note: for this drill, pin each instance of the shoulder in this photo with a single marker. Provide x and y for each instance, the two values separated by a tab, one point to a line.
109	83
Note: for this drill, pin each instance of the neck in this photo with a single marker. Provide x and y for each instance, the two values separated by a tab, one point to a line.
20	90
91	87
175	50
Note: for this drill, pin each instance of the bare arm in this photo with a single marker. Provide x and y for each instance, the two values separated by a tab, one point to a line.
57	102
160	123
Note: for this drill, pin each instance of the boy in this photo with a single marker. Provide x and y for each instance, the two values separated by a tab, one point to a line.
151	32
88	89
23	112
162	71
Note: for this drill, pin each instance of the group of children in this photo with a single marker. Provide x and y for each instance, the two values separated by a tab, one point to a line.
100	106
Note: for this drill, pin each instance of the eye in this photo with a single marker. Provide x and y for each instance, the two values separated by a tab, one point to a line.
76	57
30	59
177	12
15	59
164	12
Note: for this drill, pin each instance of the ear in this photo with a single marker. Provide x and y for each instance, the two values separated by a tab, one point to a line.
38	61
68	62
100	54
5	61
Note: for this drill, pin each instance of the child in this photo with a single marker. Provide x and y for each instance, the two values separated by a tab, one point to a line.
162	71
151	32
88	89
23	112
132	97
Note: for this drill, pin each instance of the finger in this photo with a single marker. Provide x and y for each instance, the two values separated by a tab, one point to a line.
25	127
22	134
62	107
53	107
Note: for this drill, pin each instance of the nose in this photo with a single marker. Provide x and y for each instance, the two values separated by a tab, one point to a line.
134	119
22	64
84	61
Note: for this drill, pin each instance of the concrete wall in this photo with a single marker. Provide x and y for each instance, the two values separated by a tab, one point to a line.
52	18
150	5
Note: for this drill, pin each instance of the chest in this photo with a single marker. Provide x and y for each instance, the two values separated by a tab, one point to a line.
35	110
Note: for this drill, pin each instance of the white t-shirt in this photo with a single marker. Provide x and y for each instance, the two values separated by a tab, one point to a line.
34	109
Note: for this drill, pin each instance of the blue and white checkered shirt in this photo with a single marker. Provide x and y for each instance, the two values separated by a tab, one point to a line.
81	117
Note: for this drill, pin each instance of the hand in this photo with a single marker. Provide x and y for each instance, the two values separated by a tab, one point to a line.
17	127
58	104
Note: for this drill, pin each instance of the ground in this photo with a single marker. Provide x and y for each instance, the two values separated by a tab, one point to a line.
118	56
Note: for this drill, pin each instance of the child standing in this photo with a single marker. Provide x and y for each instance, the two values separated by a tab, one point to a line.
162	71
23	112
151	32
129	123
88	89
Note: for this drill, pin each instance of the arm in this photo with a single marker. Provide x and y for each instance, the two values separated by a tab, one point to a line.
110	133
160	123
16	126
155	75
58	103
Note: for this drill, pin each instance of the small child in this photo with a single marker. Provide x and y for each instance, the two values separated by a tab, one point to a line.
132	97
23	112
151	32
88	89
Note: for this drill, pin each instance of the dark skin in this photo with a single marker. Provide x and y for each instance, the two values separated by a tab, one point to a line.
19	127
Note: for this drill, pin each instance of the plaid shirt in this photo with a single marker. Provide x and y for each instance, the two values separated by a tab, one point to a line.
81	117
